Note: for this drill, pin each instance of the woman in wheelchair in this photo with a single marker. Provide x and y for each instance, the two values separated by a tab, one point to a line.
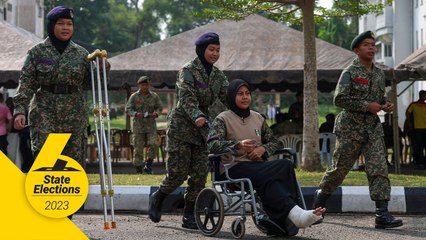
247	132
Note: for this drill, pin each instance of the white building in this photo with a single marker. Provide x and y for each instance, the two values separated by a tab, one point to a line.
400	30
27	14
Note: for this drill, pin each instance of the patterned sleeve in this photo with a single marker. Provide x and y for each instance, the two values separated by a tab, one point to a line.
27	85
187	95
345	99
130	106
217	141
269	141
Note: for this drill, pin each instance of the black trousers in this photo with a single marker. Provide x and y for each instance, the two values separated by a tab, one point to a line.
3	144
274	181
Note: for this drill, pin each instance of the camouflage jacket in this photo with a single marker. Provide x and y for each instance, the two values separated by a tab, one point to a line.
219	139
138	103
196	92
357	87
45	66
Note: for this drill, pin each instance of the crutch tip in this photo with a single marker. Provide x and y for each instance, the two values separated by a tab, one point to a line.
106	226
113	225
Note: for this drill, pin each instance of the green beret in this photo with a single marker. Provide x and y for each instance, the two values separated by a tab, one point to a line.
358	39
144	79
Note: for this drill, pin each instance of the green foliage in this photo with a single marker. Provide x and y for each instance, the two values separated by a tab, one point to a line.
121	25
306	179
287	11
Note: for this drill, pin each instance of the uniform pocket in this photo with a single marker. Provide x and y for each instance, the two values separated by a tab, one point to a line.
360	89
44	72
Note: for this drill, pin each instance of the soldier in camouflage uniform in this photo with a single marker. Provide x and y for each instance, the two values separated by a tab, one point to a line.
198	85
51	86
144	106
360	92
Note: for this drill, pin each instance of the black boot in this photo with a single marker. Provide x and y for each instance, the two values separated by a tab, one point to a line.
139	169
383	218
188	220
148	167
320	200
155	202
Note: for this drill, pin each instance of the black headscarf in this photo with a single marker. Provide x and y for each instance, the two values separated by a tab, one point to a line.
52	17
201	45
233	87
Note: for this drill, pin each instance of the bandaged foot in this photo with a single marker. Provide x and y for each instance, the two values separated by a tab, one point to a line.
303	218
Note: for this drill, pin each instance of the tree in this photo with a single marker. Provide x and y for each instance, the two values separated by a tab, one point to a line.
338	30
305	12
88	15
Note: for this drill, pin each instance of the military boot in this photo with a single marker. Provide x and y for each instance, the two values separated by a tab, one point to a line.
155	203
320	200
148	167
383	218
188	220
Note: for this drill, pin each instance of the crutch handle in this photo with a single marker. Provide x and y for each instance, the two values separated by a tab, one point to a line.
94	54
104	53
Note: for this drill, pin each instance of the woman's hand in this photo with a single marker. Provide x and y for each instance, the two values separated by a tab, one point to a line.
200	121
257	153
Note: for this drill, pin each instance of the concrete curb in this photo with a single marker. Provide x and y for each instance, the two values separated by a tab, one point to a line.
344	199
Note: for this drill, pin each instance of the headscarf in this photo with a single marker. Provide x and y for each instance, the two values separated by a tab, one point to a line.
52	17
201	45
233	87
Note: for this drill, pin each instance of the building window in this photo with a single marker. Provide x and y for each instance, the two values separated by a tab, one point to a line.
9	7
421	37
388	50
40	12
416	40
417	3
379	51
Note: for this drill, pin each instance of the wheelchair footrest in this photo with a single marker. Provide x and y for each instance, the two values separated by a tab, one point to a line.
273	229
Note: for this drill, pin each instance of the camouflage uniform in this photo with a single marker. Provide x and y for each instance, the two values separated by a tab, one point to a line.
359	131
186	143
144	129
43	71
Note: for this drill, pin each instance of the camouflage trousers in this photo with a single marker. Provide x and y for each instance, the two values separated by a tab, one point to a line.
142	141
185	159
346	153
74	148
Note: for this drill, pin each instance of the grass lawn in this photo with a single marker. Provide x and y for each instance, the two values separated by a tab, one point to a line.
306	179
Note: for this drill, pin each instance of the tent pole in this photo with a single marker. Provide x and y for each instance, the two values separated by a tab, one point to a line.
395	126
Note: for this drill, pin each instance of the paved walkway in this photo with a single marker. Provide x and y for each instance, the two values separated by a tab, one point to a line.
335	226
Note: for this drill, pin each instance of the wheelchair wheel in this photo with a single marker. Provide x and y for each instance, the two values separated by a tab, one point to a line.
209	211
238	228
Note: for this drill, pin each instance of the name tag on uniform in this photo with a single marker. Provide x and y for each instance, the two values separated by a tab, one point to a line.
257	132
361	80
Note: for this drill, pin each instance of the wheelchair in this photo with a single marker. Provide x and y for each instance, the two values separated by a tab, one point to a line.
230	197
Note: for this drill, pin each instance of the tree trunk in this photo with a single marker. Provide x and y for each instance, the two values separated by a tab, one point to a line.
310	152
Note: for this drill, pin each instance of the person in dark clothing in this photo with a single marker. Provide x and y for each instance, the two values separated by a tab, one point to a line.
296	109
388	136
328	126
248	133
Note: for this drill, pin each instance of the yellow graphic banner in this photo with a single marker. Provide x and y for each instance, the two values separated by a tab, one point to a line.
36	206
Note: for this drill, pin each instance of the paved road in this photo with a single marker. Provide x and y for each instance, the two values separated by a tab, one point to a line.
335	226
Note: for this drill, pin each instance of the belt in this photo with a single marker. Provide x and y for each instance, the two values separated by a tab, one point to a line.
60	88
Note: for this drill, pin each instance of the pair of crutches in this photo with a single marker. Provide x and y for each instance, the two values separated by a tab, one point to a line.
100	112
